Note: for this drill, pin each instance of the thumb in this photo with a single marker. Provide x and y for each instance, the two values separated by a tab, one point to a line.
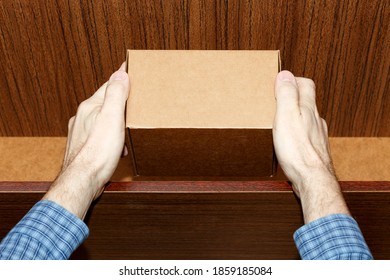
286	94
117	92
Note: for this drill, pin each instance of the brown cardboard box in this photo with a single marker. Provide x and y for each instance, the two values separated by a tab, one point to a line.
201	113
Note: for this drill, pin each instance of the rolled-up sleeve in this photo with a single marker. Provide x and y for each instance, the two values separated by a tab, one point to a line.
47	231
334	237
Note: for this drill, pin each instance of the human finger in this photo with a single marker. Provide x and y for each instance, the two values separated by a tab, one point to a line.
125	151
286	94
117	92
324	126
98	96
307	94
123	66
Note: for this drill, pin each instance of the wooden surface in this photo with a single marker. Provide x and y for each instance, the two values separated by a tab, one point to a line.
40	159
202	220
54	54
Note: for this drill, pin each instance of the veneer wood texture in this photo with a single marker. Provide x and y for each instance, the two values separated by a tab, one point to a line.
40	159
54	54
202	220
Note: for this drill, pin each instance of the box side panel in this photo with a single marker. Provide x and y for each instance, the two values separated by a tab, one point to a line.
130	150
202	89
203	152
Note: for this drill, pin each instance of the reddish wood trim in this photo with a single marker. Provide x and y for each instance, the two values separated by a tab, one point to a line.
198	186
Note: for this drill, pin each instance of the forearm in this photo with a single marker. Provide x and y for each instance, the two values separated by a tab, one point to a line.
329	231
321	195
73	189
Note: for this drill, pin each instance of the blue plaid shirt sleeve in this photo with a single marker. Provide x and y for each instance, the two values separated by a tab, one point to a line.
334	237
47	232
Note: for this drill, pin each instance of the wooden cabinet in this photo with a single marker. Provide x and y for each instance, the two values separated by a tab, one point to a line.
55	54
203	220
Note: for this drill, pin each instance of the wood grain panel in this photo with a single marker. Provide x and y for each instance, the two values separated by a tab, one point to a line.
54	54
201	224
40	159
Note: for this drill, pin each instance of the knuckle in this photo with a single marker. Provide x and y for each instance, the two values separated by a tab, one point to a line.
286	89
310	83
84	107
115	87
324	124
71	122
306	82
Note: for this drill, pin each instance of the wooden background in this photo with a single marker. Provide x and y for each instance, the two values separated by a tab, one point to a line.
54	54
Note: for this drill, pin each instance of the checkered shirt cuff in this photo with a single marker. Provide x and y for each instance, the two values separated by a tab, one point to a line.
47	231
334	237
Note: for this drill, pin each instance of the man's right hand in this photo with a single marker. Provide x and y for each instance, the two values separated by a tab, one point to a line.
301	145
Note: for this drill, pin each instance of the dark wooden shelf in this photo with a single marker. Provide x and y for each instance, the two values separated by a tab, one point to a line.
202	220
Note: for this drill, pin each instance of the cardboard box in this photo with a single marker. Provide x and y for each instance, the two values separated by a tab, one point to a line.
201	113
